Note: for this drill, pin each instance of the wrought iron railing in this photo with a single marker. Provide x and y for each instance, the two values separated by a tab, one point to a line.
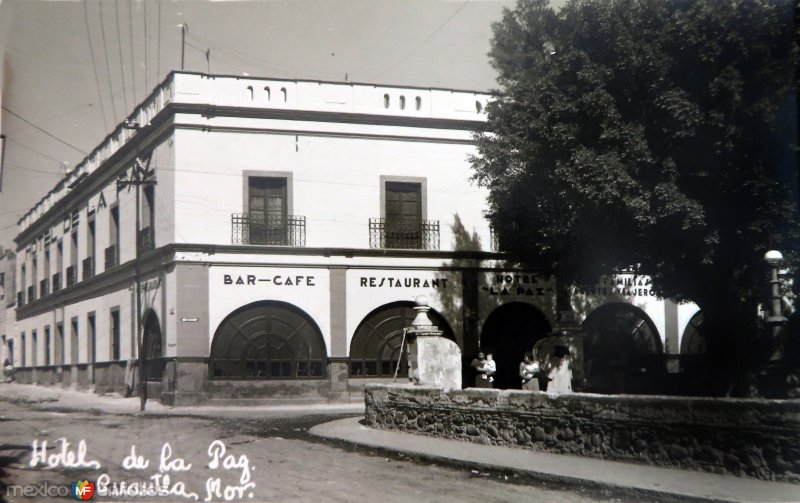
407	234
72	275
56	281
145	240
112	257
88	268
31	293
44	287
257	229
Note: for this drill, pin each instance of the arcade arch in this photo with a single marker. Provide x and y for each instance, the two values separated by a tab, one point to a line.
509	332
375	347
622	350
268	340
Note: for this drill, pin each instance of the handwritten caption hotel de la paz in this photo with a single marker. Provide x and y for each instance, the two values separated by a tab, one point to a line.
164	478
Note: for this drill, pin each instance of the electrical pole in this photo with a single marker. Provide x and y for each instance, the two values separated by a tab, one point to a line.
141	176
184	31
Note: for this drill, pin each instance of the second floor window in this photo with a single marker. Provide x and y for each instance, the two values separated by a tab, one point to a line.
267	208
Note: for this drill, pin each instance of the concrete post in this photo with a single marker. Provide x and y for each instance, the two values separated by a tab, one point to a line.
433	360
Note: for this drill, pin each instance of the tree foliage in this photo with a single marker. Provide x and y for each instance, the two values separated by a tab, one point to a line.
655	134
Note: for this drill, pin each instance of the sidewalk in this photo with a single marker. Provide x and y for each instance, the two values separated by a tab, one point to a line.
638	481
67	399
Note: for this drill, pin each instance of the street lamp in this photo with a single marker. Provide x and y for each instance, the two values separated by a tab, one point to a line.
774	258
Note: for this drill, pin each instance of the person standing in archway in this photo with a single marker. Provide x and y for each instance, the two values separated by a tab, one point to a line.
481	381
529	372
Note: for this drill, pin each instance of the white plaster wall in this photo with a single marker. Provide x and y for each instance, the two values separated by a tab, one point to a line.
336	183
224	298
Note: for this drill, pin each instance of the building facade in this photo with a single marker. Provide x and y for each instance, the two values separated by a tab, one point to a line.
282	231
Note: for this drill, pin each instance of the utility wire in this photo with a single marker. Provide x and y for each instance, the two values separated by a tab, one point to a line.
146	67
158	46
108	66
32	149
51	135
242	55
133	58
121	62
433	34
94	66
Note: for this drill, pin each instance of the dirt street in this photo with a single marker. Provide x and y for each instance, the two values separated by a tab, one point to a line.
270	458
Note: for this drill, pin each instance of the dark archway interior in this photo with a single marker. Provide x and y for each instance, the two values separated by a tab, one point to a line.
622	350
511	331
153	349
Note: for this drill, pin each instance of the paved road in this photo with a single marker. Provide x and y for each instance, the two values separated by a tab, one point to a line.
270	458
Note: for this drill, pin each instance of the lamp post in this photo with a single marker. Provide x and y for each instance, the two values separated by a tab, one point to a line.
776	319
775	374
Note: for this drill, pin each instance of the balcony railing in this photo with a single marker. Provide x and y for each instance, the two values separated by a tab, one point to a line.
145	240
88	268
72	275
112	257
406	234
31	293
257	229
44	287
56	281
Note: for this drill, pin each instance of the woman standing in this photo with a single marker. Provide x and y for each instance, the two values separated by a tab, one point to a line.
528	371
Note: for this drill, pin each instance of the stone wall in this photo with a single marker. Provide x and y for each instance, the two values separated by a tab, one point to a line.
744	437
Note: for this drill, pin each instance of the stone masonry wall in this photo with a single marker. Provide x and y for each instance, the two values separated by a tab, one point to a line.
744	437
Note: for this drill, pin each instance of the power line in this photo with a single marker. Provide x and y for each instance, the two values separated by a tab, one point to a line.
158	47
33	149
244	56
121	62
146	67
94	66
108	66
51	135
433	34
133	58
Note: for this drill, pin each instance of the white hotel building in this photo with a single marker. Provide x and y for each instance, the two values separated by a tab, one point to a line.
285	230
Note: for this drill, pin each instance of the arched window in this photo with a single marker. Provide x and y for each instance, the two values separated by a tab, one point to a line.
267	340
375	347
402	102
419	103
250	93
267	93
386	101
478	107
284	94
692	340
623	352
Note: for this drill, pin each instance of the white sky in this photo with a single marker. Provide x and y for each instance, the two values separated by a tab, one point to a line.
75	92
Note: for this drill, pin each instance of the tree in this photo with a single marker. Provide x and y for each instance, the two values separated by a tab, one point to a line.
654	134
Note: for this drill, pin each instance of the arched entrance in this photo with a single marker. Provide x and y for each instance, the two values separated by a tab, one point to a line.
152	347
622	350
375	347
510	331
268	340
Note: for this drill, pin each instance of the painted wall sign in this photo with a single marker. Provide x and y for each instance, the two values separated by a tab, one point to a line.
628	286
518	284
401	282
276	279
